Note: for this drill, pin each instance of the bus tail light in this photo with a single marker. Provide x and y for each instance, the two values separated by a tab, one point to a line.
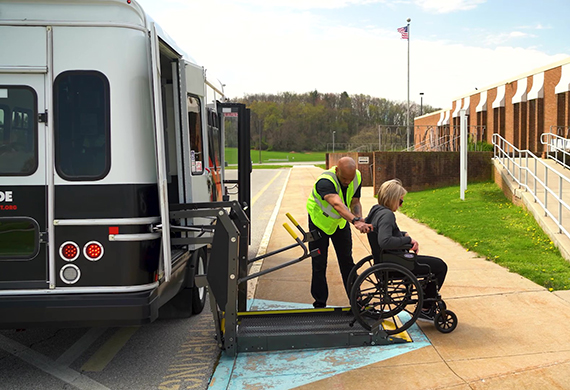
69	251
93	250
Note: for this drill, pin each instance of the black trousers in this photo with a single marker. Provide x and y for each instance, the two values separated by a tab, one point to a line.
438	267
342	242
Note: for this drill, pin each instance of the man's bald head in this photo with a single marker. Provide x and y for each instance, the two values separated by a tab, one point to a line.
346	170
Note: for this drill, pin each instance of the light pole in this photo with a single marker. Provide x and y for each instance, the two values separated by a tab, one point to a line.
421	103
333	140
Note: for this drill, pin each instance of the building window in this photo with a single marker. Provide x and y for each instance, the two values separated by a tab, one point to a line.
18	131
19	238
196	142
82	125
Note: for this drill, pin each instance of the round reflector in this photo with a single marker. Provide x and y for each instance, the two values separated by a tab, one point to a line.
69	251
70	273
93	250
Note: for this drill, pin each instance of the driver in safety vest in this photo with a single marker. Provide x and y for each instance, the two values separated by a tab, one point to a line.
334	201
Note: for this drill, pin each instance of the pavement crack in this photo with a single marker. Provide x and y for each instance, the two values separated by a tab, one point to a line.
496	294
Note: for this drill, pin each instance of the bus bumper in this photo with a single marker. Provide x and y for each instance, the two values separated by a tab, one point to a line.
78	310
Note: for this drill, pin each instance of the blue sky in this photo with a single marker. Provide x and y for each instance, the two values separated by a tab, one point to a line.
272	46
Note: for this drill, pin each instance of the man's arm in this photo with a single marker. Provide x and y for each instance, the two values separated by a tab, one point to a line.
356	209
336	202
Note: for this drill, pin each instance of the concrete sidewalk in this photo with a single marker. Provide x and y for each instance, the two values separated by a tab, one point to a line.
512	333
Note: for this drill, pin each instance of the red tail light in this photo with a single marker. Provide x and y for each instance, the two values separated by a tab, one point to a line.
69	251
93	250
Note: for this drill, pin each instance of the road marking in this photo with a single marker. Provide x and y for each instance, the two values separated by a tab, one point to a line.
80	346
256	267
258	195
107	352
49	366
192	366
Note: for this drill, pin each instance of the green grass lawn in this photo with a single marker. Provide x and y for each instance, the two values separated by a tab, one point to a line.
276	157
490	225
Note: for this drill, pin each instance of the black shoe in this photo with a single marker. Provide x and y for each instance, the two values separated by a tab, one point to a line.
318	305
427	315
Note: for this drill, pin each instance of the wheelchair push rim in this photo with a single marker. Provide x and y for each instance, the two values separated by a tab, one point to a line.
381	293
353	275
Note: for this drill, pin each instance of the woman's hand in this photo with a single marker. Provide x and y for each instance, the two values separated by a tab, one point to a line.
415	246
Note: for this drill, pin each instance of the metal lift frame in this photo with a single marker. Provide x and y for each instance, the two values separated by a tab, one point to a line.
245	331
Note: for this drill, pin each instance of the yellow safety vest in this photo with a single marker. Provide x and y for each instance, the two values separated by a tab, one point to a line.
323	215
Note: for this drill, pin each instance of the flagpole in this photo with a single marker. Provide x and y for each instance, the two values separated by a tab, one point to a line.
408	117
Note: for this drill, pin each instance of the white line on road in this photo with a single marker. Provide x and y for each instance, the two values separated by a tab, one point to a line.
256	267
80	346
49	366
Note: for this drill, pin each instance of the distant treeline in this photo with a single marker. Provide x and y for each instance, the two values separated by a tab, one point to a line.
299	122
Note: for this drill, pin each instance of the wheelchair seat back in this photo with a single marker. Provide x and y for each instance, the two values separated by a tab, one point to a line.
399	256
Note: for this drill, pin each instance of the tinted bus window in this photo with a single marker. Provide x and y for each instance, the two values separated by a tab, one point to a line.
195	124
18	131
82	125
19	238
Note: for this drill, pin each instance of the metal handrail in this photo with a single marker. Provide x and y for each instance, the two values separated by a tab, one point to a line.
507	154
556	144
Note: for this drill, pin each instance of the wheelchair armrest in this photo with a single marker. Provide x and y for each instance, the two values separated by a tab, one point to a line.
403	247
406	259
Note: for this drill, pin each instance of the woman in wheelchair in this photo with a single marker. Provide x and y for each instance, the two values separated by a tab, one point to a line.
386	240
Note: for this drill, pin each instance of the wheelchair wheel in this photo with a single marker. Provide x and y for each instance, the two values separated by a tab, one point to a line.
445	321
383	291
368	261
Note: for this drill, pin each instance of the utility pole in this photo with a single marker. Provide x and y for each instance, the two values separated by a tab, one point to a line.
333	140
408	117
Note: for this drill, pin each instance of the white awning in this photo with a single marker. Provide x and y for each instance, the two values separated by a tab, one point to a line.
441	118
482	106
537	90
457	108
466	103
564	84
500	99
446	118
520	95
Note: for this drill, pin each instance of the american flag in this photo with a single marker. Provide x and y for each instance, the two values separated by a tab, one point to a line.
404	32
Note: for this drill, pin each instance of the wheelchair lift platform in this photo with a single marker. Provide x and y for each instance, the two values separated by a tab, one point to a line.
240	330
308	328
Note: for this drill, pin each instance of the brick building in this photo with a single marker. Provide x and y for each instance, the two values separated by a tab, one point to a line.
519	109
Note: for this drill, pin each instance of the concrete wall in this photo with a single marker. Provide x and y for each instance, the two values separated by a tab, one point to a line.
366	169
419	170
424	170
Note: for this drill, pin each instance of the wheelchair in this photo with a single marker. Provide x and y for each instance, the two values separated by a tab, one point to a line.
385	294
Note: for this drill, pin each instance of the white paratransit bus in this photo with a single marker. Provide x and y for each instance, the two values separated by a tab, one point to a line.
104	124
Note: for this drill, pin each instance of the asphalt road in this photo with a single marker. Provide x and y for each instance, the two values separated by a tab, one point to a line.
167	354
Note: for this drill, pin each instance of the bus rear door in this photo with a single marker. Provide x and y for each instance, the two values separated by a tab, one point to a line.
23	157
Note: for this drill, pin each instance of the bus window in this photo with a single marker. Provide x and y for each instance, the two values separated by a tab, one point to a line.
19	238
195	124
18	133
82	125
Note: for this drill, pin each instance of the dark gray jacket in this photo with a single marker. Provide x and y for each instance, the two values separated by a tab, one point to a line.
386	234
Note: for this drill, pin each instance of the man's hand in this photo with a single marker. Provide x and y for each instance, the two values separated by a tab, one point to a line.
363	227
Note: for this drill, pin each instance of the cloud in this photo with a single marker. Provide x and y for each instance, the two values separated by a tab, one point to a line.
538	26
307	4
261	50
498	39
446	6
